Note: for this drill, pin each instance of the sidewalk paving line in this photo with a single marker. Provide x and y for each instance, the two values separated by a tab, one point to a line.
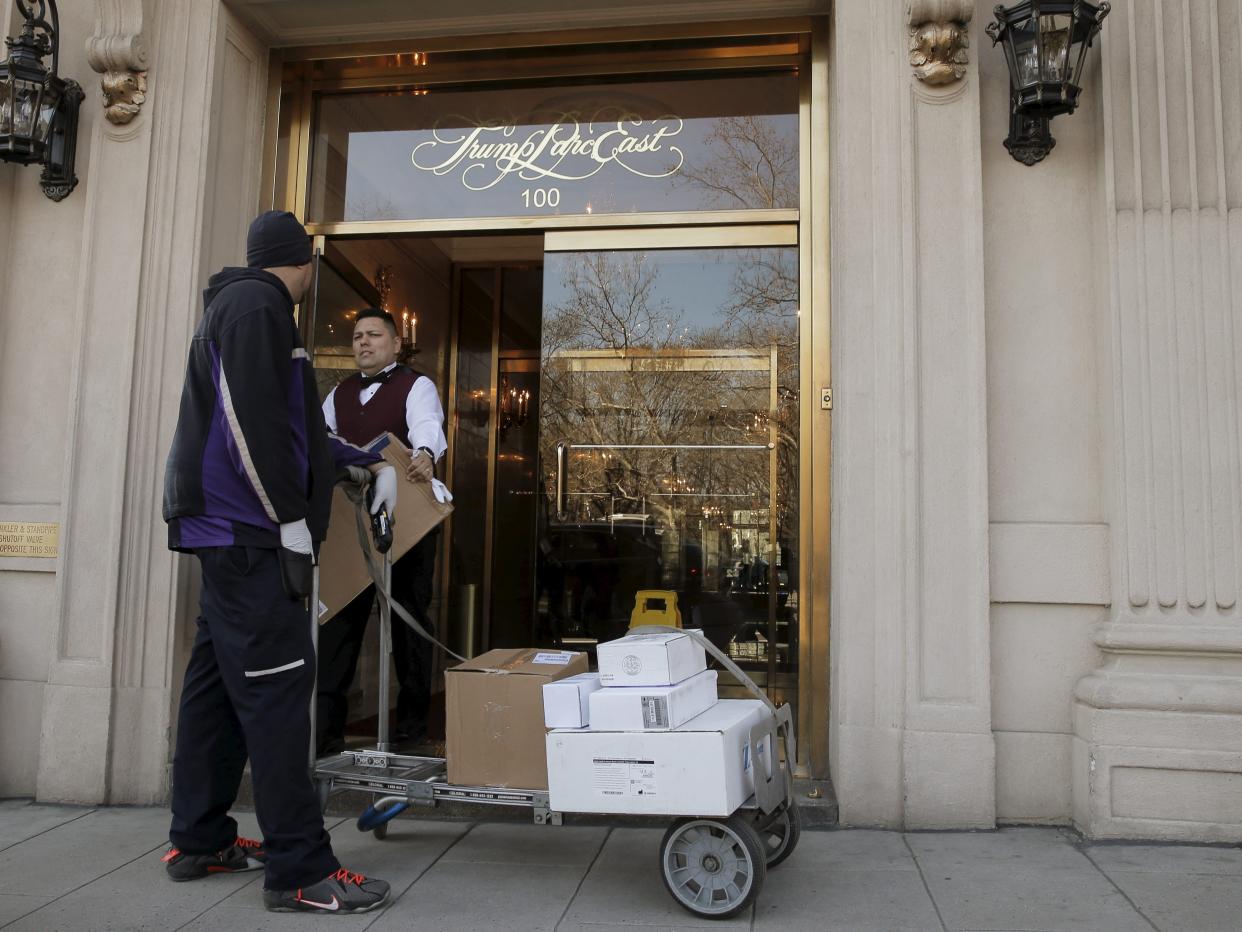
581	880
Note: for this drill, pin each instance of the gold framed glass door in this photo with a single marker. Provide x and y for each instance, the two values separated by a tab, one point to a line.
764	102
669	437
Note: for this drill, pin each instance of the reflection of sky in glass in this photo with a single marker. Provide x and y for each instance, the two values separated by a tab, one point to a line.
665	146
693	288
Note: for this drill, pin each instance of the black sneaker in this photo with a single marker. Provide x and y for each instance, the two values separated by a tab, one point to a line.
245	854
343	892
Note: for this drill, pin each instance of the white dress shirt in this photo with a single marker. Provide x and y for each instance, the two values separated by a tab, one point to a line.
424	416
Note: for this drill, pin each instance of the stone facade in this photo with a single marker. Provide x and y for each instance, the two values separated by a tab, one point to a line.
1036	483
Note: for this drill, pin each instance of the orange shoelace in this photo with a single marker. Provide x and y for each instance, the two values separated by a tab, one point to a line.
345	876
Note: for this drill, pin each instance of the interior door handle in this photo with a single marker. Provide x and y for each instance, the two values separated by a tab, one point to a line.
562	479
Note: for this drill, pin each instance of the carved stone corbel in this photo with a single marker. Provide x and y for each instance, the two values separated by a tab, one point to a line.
939	39
118	51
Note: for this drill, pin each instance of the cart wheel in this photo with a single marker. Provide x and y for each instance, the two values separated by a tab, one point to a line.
323	789
713	867
781	835
375	818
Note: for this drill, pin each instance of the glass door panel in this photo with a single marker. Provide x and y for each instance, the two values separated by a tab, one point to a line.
668	446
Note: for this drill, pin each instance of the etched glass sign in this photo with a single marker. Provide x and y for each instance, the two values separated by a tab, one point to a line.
670	145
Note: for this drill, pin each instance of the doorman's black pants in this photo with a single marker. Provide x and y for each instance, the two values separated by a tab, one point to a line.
340	643
247	692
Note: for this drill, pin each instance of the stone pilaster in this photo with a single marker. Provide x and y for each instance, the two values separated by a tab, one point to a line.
912	738
108	700
1158	749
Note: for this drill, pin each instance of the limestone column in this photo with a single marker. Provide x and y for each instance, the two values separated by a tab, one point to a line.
107	703
1158	747
911	738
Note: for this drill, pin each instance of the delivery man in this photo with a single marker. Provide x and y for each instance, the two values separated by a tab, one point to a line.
248	490
384	397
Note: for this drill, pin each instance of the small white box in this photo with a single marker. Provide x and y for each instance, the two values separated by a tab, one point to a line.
566	703
656	659
703	768
652	708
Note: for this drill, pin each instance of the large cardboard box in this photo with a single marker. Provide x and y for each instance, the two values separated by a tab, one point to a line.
342	568
494	703
652	708
703	768
567	702
655	659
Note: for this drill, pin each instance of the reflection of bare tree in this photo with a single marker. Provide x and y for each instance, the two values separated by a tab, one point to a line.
372	206
753	163
610	306
661	383
764	312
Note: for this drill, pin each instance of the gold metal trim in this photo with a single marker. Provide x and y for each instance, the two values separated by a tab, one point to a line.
792	25
546	70
450	458
302	128
817	674
773	542
672	238
271	131
489	529
552	222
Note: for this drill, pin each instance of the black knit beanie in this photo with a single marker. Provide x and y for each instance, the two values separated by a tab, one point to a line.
277	238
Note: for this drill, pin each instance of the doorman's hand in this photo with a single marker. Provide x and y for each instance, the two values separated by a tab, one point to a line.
421	468
385	491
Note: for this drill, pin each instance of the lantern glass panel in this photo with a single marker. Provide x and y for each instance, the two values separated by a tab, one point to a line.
47	112
1055	46
6	106
1084	31
1024	38
25	106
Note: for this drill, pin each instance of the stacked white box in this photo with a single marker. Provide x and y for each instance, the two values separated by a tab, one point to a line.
652	708
655	659
566	703
703	768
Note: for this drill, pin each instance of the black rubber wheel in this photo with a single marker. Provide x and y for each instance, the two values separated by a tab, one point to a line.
380	831
781	835
713	868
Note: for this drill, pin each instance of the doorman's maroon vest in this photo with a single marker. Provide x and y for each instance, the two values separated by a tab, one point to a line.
361	423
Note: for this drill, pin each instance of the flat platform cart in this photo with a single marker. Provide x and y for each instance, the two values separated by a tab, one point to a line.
714	866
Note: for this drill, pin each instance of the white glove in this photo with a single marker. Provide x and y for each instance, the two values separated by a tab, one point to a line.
296	536
385	491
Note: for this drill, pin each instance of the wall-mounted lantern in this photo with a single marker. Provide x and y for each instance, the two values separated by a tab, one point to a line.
1046	44
38	108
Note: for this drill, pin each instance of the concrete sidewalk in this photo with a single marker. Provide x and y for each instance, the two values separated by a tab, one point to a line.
64	868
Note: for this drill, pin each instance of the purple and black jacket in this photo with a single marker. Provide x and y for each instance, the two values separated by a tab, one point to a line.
251	451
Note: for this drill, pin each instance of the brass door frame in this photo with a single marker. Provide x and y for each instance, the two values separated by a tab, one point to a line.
813	228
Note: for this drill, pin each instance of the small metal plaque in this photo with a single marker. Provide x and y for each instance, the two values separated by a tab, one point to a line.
24	539
377	759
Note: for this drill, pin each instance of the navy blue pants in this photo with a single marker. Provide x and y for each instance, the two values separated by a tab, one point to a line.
247	693
340	643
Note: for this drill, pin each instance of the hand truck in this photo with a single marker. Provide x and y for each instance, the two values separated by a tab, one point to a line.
713	866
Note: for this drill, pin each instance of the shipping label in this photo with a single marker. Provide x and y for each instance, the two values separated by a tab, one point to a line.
620	777
655	711
557	657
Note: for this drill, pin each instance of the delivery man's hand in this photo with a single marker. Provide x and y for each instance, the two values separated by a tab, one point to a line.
295	559
421	468
385	490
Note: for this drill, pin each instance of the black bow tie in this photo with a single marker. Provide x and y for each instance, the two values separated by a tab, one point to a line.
378	379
